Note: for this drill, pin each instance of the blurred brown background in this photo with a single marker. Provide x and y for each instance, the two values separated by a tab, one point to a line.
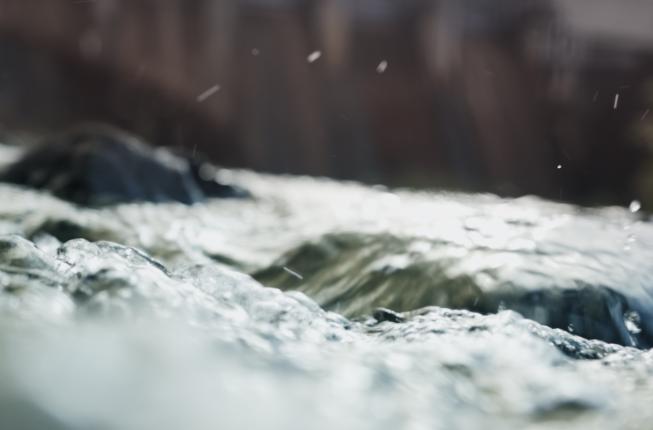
509	96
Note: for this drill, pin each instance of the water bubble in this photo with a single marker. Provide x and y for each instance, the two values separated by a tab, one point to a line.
255	52
632	320
383	65
635	206
313	56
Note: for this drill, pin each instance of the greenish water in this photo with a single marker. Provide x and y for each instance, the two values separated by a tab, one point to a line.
518	313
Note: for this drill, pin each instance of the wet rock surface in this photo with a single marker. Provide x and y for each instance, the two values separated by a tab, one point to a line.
97	164
143	315
387	264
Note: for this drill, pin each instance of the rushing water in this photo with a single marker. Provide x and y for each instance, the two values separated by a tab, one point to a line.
502	313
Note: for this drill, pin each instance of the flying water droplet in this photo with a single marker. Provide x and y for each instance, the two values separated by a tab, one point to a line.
208	93
293	273
383	65
634	206
313	56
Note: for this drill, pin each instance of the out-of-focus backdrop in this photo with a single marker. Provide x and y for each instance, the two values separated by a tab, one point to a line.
547	97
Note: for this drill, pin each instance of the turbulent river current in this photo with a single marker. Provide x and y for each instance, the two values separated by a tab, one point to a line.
317	304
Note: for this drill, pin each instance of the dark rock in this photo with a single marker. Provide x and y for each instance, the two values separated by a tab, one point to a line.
382	315
96	164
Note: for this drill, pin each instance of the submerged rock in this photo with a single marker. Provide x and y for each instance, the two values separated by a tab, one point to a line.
383	315
356	273
95	164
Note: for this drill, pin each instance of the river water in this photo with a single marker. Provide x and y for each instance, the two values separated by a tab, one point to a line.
265	312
